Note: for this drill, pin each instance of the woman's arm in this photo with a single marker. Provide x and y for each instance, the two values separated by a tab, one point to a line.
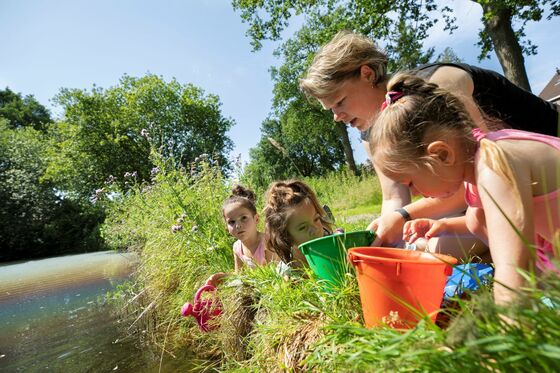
390	226
270	256
395	195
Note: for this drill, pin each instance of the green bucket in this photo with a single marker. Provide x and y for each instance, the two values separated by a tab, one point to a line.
327	255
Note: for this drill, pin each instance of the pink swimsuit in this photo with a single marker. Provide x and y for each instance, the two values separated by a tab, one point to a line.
545	207
257	259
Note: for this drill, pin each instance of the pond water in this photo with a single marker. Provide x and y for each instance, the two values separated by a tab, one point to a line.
54	317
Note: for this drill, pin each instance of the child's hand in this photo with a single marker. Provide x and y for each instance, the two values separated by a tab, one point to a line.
418	228
216	278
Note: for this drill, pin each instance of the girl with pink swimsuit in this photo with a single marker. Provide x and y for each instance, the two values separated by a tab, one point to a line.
425	139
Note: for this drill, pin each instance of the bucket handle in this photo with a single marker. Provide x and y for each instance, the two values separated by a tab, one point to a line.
354	261
448	270
202	289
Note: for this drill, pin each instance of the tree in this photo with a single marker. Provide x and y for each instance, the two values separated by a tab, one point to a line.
448	56
386	20
296	56
298	51
23	112
111	132
298	144
36	220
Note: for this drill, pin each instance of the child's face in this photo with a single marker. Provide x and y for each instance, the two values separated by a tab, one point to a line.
443	178
439	182
240	221
304	223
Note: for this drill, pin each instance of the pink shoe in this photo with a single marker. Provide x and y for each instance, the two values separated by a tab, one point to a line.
203	310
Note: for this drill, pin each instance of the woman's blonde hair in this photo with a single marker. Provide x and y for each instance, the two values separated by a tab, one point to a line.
340	60
281	198
423	114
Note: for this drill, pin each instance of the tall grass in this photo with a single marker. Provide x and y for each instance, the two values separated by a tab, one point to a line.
271	323
176	227
347	194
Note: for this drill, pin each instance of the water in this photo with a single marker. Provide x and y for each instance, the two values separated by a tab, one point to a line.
54	317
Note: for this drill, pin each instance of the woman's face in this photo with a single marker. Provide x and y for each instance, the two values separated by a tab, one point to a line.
356	102
304	223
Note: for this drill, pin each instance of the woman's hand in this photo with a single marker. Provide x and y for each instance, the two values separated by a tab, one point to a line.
388	229
426	228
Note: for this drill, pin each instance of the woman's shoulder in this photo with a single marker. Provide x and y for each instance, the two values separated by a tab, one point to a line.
454	79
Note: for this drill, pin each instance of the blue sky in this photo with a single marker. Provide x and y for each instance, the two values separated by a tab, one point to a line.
48	45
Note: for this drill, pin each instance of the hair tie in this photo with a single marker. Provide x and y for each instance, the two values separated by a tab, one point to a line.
390	97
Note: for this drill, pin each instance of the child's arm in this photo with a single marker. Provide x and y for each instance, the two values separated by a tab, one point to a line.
216	278
390	226
270	256
238	262
507	248
429	228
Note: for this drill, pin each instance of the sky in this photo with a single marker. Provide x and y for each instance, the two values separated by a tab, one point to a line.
49	45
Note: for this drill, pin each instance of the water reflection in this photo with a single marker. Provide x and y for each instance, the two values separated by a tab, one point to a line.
54	316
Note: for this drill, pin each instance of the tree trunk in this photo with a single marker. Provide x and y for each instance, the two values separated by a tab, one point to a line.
347	148
506	44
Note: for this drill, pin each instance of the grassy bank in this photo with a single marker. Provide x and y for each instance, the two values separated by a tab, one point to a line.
273	324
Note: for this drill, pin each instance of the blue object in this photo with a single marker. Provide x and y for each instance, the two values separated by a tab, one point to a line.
467	277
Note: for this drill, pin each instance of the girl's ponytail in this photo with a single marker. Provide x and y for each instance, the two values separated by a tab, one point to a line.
412	85
494	157
244	196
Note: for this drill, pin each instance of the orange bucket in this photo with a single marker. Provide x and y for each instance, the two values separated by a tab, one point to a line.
399	287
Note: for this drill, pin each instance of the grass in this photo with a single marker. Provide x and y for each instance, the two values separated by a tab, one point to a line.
272	324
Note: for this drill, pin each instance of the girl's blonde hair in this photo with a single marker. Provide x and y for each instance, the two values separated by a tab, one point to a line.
281	198
423	114
244	196
340	60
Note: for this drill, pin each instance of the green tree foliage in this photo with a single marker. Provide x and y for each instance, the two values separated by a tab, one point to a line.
109	132
305	134
403	25
296	145
449	56
23	111
36	221
297	53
